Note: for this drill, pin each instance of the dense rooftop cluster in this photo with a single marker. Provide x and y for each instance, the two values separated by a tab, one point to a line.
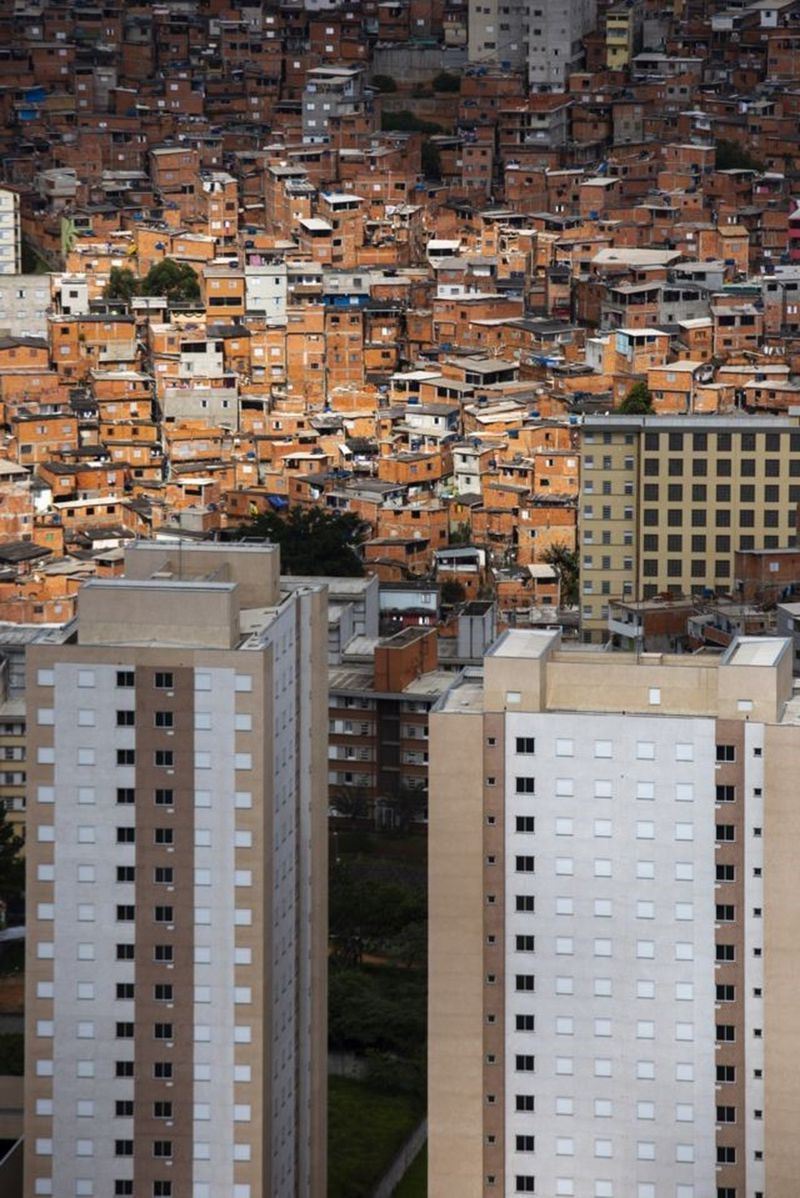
374	258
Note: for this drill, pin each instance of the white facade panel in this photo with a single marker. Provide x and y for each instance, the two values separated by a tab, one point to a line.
622	955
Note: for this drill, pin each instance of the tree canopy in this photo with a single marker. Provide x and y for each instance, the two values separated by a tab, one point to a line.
12	867
565	563
313	541
175	280
638	401
731	157
407	122
122	284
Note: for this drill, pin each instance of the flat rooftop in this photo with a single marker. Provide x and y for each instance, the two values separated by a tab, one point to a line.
756	651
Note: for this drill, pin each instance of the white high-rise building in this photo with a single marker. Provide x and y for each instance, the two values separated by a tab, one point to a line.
177	885
611	951
10	233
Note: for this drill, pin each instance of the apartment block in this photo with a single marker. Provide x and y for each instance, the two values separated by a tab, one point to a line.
666	502
177	874
10	233
555	41
612	849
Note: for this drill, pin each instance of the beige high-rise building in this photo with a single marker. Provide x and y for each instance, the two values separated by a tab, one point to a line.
613	935
666	501
177	881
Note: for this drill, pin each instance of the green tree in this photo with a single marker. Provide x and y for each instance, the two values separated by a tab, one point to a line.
175	280
452	592
461	534
313	541
638	401
351	802
407	122
384	83
122	284
12	1054
12	867
445	82
431	160
407	804
565	563
731	156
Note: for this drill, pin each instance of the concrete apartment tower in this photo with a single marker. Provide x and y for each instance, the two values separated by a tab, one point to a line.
666	501
177	881
556	29
546	36
613	931
10	233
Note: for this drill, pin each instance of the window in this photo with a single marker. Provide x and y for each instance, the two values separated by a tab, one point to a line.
125	913
124	1031
725	832
524	1063
124	990
163	836
126	873
726	1154
164	798
164	680
163	874
123	1068
126	757
525	744
123	1187
163	914
165	719
726	752
525	1183
162	1031
524	1023
126	794
162	1070
726	1073
525	1143
126	719
525	944
725	952
163	757
726	1114
726	1033
125	678
126	952
525	823
162	1148
163	953
525	902
525	982
123	1148
126	835
524	1102
726	873
525	786
726	794
726	993
525	865
162	1189
162	992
